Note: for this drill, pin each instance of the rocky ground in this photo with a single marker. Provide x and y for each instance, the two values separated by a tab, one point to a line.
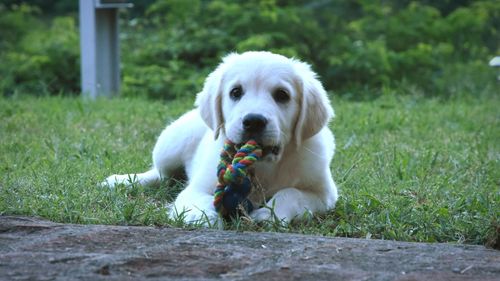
35	249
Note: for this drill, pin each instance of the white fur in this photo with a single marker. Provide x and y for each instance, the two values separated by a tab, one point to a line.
295	182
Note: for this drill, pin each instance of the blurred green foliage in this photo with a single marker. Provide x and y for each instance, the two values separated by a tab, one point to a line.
169	46
38	58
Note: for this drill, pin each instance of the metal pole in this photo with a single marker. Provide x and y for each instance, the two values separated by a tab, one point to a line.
88	49
108	52
100	47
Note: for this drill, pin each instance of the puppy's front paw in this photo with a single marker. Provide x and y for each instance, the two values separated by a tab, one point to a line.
269	215
194	215
262	214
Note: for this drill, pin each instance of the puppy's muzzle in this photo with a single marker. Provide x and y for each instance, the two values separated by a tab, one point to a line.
254	126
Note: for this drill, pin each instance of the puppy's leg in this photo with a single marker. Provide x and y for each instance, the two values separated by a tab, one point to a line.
290	203
195	203
149	178
195	207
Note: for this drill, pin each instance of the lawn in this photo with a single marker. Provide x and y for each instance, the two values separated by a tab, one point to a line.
408	168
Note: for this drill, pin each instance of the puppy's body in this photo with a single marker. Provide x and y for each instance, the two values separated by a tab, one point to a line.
294	175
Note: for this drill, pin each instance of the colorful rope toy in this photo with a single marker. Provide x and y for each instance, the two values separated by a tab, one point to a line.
234	181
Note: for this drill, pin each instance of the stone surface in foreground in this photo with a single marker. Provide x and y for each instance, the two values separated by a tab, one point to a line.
35	249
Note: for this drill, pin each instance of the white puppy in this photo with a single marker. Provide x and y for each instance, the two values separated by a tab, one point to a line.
268	97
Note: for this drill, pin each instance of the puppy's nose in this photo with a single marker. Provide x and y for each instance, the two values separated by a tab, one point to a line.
254	123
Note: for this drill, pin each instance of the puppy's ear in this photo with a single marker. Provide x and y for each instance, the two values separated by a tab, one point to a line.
315	108
209	101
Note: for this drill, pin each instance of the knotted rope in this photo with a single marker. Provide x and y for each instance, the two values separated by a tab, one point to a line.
234	181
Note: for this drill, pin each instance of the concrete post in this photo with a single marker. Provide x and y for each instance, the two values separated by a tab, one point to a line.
100	48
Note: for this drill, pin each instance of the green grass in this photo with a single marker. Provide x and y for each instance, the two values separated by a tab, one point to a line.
408	168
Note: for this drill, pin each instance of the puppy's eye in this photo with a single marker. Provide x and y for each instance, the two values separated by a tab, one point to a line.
281	96
236	93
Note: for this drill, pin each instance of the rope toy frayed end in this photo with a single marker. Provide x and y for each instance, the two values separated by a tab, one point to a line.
234	184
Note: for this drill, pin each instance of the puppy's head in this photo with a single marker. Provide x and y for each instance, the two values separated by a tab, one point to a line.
264	96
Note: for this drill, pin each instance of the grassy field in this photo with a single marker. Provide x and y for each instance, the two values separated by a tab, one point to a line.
408	168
